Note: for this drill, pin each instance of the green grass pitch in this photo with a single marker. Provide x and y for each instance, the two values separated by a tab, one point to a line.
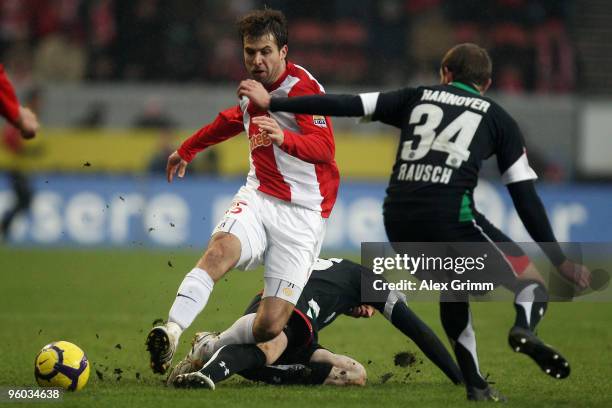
106	300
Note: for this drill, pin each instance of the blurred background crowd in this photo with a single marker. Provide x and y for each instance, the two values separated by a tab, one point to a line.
537	45
170	66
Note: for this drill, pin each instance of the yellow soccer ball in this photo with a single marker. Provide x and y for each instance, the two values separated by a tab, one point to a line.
61	364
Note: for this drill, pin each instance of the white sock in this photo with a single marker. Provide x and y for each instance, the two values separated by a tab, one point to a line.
175	330
241	332
191	298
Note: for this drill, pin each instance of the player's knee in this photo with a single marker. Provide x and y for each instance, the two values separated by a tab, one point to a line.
266	329
272	316
214	253
267	325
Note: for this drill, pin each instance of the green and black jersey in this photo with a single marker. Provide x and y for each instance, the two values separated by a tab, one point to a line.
446	133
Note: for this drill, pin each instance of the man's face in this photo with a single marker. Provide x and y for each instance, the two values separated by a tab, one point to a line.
264	61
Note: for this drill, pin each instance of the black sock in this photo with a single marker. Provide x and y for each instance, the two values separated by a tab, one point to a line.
292	374
530	303
457	323
408	323
232	359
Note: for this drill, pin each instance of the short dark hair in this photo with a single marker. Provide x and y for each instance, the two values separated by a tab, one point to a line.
261	22
468	63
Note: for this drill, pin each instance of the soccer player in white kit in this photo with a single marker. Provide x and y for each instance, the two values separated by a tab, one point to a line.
278	217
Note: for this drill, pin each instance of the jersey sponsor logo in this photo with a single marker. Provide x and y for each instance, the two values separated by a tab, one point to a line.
288	292
456	100
424	173
319	121
260	139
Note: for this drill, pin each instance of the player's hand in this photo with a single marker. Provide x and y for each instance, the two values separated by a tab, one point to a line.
578	274
256	93
175	162
27	123
271	127
366	311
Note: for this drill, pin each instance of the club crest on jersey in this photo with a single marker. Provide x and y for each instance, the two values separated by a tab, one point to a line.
259	139
319	121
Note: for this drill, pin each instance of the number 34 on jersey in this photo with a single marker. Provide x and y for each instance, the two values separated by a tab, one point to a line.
427	118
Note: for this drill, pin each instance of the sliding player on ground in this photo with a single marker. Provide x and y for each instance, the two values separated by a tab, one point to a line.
295	356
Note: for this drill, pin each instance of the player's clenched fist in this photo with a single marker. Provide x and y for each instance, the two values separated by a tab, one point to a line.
271	127
175	162
256	93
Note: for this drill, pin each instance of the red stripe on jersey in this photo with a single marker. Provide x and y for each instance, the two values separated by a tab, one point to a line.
271	181
519	263
316	142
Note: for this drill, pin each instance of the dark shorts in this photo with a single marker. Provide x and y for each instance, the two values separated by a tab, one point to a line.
506	261
300	332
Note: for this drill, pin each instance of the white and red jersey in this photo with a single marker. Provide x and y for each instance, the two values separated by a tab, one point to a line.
303	169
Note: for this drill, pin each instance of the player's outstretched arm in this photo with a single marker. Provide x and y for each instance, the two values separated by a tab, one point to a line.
227	124
533	215
325	104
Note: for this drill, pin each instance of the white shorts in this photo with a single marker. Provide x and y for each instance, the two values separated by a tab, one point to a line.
283	236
